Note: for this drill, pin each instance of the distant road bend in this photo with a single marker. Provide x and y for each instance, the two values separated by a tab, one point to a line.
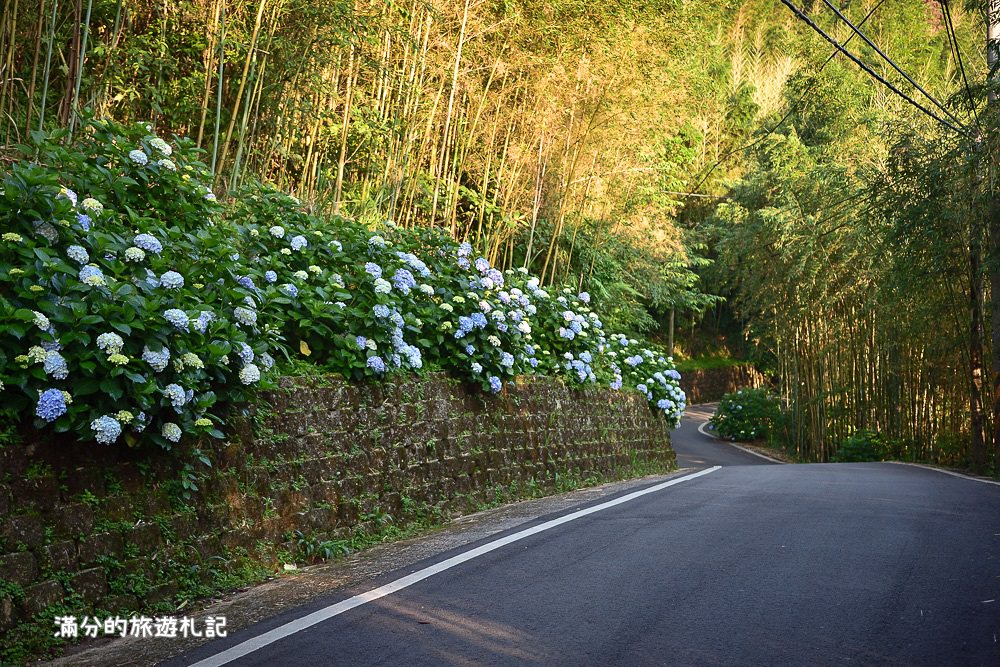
746	564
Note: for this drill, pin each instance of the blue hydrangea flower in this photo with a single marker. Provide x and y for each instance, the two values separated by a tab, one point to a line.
78	254
203	320
382	286
172	280
361	342
246	281
51	405
157	360
463	263
138	157
277	231
464	250
482	265
245	352
110	343
270	276
176	395
496	277
476	367
140	422
172	432
289	290
373	269
586	356
148	243
533	362
298	242
55	365
245	316
495	384
664	404
84	221
470	350
479	320
106	429
403	280
529	350
178	318
249	374
568	334
266	361
92	275
506	359
376	242
381	311
585	297
376	364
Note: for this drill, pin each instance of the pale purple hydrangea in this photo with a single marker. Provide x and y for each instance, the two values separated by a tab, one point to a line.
298	242
270	276
376	364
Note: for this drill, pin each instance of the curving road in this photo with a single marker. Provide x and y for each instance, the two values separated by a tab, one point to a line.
748	564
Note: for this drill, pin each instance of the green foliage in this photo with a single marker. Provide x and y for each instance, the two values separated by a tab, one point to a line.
863	446
89	283
746	415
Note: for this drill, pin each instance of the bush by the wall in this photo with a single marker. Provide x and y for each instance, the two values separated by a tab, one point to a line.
136	306
746	415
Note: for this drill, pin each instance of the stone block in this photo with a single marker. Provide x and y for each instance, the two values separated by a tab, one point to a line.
147	537
20	568
40	596
8	614
91	585
97	545
86	478
25	530
60	556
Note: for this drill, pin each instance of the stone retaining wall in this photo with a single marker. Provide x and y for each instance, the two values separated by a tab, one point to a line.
85	528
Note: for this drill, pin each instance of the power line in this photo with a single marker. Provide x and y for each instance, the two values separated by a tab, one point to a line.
890	61
791	108
875	75
953	40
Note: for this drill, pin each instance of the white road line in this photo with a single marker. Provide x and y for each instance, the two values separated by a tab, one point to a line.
947	472
701	429
260	641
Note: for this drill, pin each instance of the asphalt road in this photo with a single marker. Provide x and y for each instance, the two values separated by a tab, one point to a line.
874	564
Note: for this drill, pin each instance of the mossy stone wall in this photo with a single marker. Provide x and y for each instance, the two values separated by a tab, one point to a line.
85	528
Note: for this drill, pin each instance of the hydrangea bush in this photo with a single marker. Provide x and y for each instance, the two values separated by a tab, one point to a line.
120	319
137	306
746	415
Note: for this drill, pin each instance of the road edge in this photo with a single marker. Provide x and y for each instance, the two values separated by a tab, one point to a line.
701	429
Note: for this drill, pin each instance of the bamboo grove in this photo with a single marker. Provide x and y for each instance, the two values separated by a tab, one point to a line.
654	152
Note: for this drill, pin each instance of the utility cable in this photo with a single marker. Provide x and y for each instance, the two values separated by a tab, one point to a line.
960	129
791	109
889	60
953	40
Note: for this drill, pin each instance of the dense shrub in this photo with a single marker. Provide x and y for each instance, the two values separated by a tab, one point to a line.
120	316
135	305
746	415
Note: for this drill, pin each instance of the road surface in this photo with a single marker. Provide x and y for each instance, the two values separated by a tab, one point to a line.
747	564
